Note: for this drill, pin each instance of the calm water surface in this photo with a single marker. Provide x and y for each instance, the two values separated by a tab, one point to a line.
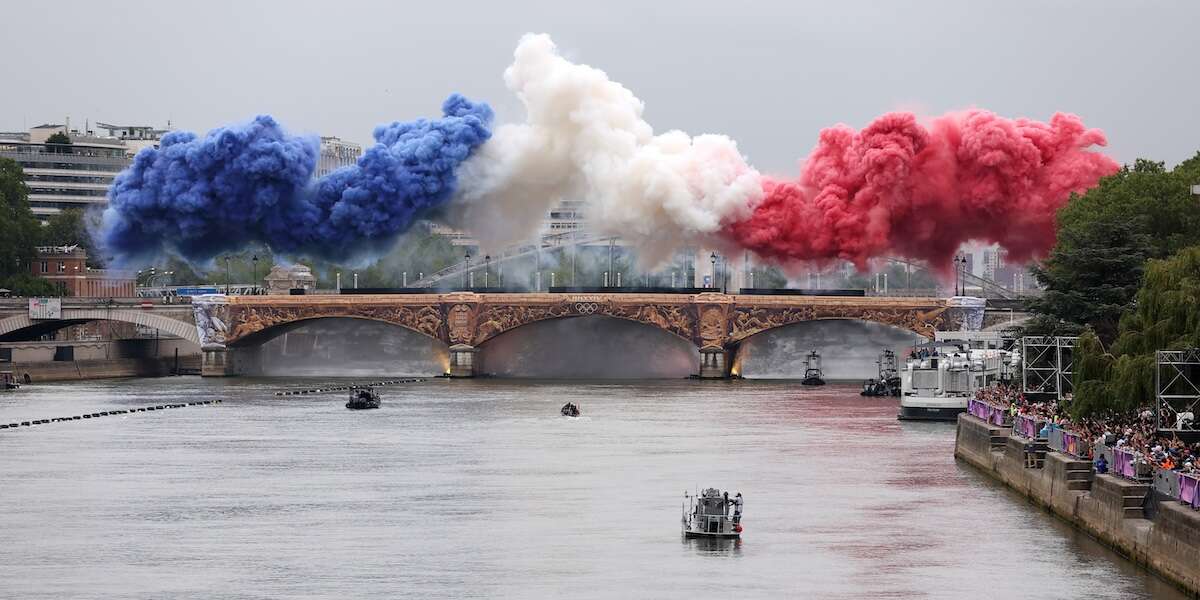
477	489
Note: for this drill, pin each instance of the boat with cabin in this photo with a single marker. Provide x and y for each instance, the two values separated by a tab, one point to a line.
363	398
8	381
712	514
812	370
941	376
570	409
888	383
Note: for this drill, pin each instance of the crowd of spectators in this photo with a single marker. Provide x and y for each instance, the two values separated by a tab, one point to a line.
1136	433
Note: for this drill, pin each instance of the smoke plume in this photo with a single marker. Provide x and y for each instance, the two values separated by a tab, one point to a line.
197	197
903	189
584	138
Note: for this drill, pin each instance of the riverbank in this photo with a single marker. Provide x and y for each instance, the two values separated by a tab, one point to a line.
1159	534
75	370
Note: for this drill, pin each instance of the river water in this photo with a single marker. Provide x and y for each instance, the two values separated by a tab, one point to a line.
477	489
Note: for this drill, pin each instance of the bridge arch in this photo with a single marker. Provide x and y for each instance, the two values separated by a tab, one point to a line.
249	339
18	326
848	347
252	324
676	319
593	346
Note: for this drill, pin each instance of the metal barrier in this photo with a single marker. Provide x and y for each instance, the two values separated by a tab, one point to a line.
1189	489
1123	463
991	414
1026	426
1166	482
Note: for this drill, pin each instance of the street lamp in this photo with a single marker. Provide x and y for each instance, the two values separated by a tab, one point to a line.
226	275
254	261
466	272
960	269
713	259
487	267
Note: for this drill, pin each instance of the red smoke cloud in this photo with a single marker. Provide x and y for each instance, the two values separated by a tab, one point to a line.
901	188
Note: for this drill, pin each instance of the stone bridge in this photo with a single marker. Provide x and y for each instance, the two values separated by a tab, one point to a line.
715	323
176	320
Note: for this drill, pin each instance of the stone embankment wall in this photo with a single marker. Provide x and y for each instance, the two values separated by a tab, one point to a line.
100	369
1158	533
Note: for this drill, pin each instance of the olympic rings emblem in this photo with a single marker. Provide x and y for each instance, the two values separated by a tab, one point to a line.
586	308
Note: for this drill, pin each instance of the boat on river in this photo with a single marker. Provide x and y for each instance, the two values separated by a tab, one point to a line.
712	514
812	370
570	409
941	376
8	381
363	398
888	383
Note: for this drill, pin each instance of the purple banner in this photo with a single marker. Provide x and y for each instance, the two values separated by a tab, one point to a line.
987	412
1189	490
1026	426
1073	445
1123	463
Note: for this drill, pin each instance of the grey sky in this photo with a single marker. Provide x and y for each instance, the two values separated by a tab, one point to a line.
770	75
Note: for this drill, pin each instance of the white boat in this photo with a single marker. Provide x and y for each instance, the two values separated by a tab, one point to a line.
712	514
812	370
8	381
941	376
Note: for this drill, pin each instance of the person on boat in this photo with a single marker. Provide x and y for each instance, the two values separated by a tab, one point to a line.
737	507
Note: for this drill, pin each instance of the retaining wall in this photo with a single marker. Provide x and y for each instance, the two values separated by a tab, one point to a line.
98	369
1160	534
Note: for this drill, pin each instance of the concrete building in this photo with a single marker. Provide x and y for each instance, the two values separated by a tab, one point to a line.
66	267
335	154
78	175
993	261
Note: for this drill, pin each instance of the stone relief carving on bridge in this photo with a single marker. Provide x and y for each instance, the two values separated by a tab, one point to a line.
748	321
496	319
251	319
212	320
458	324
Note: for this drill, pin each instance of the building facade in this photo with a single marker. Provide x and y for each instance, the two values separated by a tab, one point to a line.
66	267
335	154
75	175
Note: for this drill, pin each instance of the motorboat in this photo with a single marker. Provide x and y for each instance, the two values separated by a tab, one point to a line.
941	376
888	383
570	410
712	514
812	370
8	381
362	398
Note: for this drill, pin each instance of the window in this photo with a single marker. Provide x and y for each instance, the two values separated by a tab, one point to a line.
62	267
45	267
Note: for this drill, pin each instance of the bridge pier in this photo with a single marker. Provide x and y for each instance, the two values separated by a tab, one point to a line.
713	363
462	360
217	362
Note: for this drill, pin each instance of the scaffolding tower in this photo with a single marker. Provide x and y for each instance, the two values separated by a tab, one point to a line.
1177	389
1048	365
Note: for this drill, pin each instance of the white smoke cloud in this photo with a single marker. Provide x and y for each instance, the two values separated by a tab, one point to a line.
584	139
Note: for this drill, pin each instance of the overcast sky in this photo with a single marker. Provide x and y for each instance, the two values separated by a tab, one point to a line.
770	75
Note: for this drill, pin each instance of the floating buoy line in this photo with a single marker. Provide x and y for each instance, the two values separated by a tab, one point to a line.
346	388
104	413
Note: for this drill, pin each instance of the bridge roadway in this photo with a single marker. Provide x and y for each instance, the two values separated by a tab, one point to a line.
229	329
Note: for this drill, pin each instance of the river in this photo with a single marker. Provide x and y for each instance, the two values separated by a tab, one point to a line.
478	489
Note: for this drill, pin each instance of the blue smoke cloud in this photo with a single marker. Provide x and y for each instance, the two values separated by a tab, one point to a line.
199	197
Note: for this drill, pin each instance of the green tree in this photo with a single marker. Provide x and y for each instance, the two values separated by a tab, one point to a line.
24	284
1105	236
18	227
58	143
1166	316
